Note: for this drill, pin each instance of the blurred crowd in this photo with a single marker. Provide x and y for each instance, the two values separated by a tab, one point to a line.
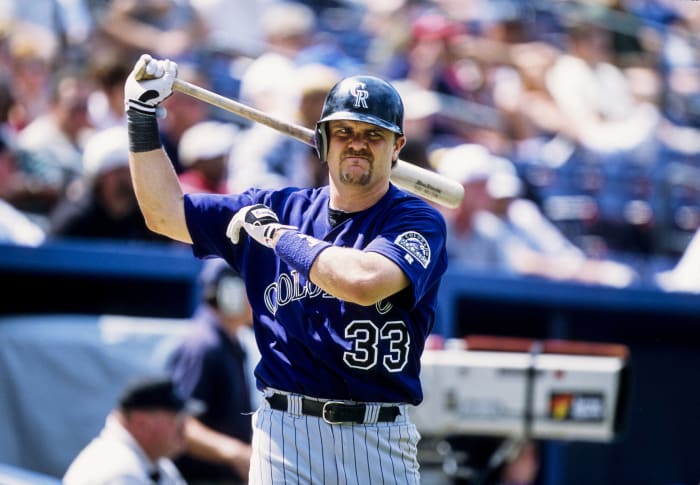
574	126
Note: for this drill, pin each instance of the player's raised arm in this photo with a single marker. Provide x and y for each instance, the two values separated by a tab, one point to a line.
155	182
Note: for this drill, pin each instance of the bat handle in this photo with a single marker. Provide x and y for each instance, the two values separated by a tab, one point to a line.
301	133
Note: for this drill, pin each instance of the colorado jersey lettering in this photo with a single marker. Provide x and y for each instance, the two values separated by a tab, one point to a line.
340	350
287	288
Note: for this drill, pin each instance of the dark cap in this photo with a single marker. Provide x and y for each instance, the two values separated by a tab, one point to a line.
158	393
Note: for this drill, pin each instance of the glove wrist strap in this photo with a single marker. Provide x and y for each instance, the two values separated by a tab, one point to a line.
299	251
143	131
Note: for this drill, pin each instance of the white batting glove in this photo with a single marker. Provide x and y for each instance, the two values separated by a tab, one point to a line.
259	221
149	83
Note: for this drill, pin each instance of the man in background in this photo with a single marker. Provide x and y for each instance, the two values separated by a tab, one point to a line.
204	149
211	365
139	439
497	229
107	207
15	226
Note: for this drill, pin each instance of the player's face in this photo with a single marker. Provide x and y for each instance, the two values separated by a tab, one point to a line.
360	153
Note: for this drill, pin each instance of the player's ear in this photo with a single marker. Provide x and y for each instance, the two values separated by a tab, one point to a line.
399	143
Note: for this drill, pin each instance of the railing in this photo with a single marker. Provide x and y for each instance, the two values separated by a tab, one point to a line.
147	279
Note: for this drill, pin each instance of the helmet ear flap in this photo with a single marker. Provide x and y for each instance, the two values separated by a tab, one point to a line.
321	137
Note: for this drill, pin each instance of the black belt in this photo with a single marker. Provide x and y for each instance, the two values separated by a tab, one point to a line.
334	412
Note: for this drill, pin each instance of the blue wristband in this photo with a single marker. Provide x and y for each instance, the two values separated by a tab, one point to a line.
299	251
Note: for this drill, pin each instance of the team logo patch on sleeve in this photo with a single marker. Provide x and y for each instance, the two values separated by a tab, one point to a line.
416	246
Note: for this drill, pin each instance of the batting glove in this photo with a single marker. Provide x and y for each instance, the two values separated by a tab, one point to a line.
149	83
259	221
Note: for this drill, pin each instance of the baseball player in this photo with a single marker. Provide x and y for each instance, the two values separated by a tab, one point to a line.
342	280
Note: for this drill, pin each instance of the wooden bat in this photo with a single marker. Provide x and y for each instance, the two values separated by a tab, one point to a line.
412	178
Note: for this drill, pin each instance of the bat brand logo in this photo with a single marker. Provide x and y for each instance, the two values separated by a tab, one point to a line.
361	95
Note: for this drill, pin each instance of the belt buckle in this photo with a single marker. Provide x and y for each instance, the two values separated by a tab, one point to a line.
324	410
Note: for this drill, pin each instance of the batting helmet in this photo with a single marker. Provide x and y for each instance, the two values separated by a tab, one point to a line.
360	98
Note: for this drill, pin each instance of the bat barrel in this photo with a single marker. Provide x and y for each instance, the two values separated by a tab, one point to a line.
427	184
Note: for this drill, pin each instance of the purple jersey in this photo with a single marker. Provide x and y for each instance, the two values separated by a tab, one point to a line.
311	342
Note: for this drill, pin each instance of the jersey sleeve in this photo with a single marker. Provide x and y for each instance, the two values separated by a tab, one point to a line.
414	238
208	216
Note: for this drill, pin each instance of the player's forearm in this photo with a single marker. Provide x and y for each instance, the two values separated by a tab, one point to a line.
209	445
349	274
159	194
356	276
155	182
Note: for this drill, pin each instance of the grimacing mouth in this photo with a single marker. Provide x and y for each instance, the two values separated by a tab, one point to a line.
363	154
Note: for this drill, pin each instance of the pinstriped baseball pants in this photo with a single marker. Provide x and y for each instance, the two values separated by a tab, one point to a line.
305	450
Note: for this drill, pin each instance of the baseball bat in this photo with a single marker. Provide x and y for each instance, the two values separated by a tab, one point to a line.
412	178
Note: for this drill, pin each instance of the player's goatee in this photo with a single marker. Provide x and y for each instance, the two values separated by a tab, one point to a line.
362	179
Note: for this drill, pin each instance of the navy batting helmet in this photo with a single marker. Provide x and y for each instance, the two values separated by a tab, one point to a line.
360	98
